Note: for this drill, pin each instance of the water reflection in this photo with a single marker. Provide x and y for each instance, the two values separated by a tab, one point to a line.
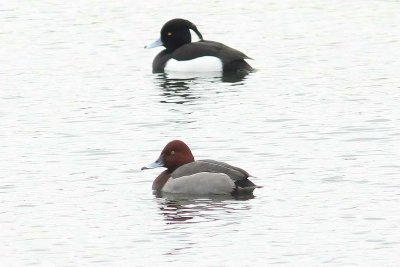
234	78
176	90
176	87
212	76
180	208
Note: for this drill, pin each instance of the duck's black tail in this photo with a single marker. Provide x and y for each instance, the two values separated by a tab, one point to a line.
244	186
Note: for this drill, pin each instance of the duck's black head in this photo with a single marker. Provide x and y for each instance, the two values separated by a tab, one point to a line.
176	33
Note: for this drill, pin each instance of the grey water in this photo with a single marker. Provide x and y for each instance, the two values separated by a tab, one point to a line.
318	125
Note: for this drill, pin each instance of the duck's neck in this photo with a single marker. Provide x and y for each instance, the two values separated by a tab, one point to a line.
160	181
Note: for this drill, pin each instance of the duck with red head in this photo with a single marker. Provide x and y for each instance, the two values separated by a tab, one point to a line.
186	176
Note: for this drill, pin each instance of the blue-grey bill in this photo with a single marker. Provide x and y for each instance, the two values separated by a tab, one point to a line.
155	164
156	43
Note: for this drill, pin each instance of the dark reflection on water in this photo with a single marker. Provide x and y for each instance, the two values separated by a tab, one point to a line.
179	208
177	87
176	90
234	78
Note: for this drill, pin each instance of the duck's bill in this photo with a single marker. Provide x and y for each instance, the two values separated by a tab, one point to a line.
156	164
155	44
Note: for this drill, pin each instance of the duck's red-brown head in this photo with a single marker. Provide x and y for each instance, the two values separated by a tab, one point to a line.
175	154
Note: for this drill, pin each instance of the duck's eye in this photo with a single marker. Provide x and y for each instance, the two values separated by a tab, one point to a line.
169	33
172	152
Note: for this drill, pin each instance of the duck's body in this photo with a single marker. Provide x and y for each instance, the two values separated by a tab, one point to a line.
202	183
176	37
226	59
187	176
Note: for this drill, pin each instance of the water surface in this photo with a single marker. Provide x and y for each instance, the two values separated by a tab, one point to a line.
318	125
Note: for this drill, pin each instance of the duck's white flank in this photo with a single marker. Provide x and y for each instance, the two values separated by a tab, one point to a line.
200	64
200	183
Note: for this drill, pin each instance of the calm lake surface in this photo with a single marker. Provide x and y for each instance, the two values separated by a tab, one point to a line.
318	125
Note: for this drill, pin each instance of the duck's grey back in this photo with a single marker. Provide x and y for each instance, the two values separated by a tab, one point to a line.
209	165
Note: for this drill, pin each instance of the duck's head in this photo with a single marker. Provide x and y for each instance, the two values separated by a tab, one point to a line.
176	33
175	154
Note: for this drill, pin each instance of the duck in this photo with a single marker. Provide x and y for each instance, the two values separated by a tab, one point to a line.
185	175
183	55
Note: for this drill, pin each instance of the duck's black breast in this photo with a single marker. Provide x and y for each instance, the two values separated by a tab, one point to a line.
160	61
231	58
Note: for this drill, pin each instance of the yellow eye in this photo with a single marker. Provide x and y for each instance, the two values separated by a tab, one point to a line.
172	152
169	34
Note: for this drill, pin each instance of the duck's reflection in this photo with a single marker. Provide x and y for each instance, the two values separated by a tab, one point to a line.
176	87
234	78
179	208
176	90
